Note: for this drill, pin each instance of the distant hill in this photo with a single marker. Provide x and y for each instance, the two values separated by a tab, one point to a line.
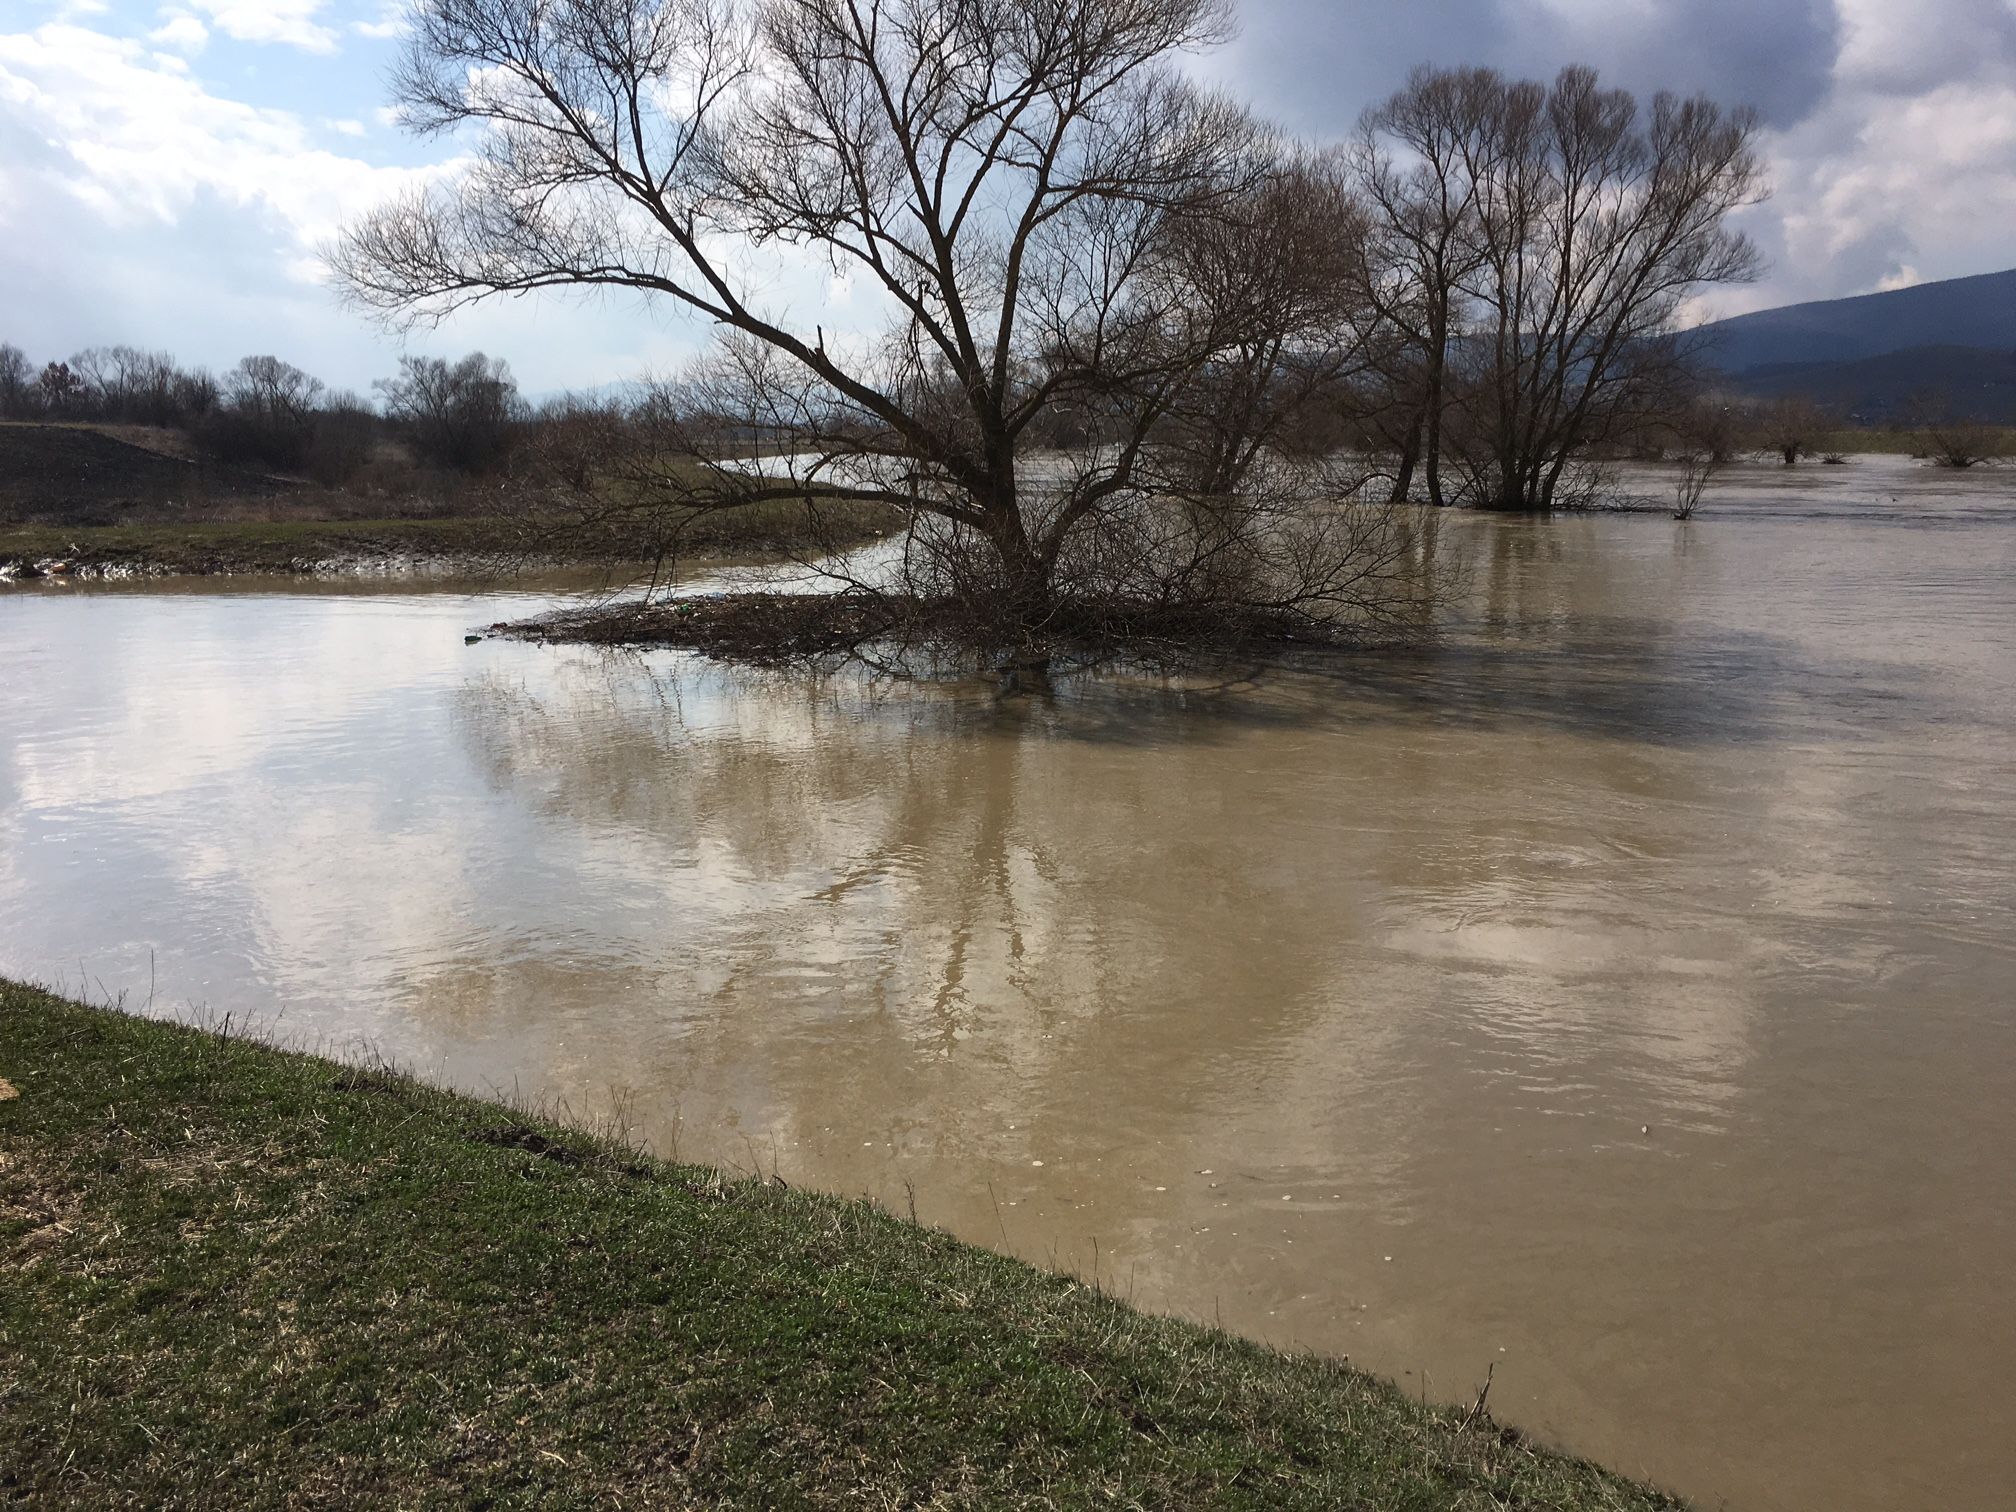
1971	383
1878	357
1955	312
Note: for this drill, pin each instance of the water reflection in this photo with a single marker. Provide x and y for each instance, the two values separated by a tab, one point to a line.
1621	985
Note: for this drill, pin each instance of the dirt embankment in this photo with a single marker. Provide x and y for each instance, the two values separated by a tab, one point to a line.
78	475
100	501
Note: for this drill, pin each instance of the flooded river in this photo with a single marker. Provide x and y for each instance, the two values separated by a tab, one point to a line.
1622	994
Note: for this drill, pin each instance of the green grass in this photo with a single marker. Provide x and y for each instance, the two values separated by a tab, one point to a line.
237	1277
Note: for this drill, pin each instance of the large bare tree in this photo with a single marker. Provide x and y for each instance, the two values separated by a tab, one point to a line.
1032	188
1549	238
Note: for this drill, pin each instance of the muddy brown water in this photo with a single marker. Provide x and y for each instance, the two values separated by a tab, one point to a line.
1621	995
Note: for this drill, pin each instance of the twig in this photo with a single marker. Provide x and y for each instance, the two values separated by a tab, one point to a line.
1477	1408
997	1215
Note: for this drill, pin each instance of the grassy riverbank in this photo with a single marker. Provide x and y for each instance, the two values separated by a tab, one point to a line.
87	500
473	542
233	1276
245	546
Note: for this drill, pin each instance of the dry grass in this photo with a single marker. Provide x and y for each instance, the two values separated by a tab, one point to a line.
473	542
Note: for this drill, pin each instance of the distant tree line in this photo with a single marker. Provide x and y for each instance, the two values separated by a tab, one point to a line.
1719	428
462	416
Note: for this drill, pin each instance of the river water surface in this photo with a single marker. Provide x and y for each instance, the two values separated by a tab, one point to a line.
1622	994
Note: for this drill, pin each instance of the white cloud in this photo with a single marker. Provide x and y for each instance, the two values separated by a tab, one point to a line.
391	22
159	203
1877	189
183	32
136	139
1888	119
290	23
165	214
1905	49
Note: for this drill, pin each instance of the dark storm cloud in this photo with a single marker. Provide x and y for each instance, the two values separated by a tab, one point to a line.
1314	64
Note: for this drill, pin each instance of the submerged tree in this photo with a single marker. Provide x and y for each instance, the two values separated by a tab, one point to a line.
1949	436
1791	427
1280	272
1421	160
1072	243
1550	236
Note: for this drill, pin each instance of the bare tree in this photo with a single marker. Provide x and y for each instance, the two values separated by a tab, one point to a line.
271	390
58	389
16	382
1717	426
1575	226
92	368
1696	467
128	384
1422	160
197	394
1943	433
120	383
267	414
1021	185
1791	427
342	439
1280	273
460	413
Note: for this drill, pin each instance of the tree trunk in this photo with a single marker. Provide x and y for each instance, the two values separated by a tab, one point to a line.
1410	457
1438	363
1026	600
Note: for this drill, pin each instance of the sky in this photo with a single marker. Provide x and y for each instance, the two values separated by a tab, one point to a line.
169	171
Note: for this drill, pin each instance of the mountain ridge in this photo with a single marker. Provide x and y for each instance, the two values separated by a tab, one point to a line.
1975	311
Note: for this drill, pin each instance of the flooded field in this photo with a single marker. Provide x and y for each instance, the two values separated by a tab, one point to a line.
1621	995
